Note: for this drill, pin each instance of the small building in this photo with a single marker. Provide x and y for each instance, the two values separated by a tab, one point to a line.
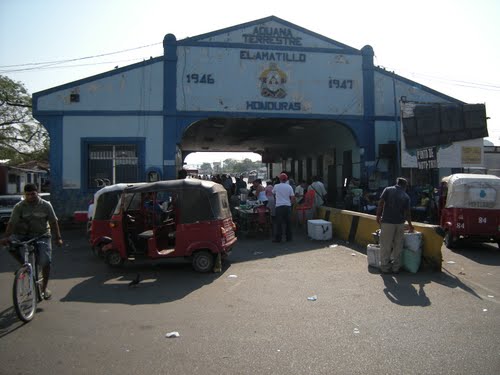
13	178
492	157
308	104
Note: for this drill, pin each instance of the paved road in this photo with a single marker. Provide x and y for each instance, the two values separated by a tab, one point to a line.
255	316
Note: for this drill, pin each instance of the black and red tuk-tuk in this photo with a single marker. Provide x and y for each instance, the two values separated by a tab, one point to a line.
469	208
188	218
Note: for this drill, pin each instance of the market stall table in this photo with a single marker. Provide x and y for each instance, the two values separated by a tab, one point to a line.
250	221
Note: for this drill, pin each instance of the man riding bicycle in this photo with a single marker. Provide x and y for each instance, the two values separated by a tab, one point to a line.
34	217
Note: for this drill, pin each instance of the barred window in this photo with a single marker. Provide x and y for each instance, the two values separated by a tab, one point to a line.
111	164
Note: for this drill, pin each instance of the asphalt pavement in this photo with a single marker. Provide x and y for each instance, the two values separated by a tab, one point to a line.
300	307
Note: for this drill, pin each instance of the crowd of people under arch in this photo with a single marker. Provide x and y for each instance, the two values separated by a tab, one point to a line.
355	197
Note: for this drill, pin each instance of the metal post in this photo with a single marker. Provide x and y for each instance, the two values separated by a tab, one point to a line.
396	124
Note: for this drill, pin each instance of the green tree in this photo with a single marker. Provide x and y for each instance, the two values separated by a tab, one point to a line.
237	167
248	165
22	138
206	168
228	165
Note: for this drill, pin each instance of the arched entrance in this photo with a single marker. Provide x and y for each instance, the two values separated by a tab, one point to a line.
304	147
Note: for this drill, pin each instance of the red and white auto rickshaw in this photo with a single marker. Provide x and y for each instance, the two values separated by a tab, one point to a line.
180	218
469	208
104	204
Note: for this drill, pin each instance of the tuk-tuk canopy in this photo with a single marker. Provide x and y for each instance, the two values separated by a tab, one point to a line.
106	198
196	200
473	191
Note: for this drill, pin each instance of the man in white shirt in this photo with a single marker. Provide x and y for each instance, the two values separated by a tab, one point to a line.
319	188
300	190
285	197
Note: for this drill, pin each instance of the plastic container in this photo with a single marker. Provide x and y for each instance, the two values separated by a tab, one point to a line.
373	254
80	216
319	229
411	260
413	241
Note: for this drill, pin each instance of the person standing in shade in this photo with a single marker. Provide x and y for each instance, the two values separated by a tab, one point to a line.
240	184
260	191
271	204
300	191
227	182
319	188
284	197
392	212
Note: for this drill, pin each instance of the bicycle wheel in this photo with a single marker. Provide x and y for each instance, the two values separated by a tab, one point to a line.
24	294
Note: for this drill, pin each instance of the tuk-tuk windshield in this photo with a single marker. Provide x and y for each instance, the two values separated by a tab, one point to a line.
106	200
473	191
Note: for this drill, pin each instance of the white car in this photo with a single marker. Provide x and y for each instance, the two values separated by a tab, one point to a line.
7	203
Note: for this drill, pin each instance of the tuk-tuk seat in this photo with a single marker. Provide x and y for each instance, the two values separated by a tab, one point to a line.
166	251
146	235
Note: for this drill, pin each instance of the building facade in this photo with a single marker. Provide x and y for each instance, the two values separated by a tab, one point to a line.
306	103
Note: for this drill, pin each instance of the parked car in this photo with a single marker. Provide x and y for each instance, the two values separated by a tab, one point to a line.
7	203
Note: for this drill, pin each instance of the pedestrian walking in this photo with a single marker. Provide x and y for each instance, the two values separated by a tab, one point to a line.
392	212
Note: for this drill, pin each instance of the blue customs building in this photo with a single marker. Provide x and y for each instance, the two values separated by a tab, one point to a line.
306	103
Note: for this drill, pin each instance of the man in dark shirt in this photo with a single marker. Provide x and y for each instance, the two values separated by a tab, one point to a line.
392	212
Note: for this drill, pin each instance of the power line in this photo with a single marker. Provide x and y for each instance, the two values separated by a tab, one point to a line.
454	82
56	62
52	66
450	81
485	86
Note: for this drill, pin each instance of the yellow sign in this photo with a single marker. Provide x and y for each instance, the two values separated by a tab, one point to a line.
471	155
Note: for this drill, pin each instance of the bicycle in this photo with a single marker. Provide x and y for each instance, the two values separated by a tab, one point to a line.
27	289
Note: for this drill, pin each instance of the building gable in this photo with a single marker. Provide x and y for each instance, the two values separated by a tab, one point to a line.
272	32
115	90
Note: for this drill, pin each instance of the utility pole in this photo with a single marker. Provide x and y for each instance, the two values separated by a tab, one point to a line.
396	125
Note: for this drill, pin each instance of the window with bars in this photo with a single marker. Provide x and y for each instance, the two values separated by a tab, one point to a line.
111	164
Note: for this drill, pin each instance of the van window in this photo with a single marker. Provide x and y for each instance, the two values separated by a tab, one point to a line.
482	197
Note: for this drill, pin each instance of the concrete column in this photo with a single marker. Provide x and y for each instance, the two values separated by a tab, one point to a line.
170	166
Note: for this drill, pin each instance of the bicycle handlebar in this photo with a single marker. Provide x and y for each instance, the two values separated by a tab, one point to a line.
27	242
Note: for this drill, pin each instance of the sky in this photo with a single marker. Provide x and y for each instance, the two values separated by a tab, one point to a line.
451	46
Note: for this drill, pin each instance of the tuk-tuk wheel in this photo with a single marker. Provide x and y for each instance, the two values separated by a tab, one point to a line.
203	261
97	250
114	259
448	240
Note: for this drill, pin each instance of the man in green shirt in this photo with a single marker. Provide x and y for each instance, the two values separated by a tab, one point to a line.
34	217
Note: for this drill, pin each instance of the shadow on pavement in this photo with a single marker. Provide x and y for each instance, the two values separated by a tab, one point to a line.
172	279
400	289
9	322
163	280
159	283
482	253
